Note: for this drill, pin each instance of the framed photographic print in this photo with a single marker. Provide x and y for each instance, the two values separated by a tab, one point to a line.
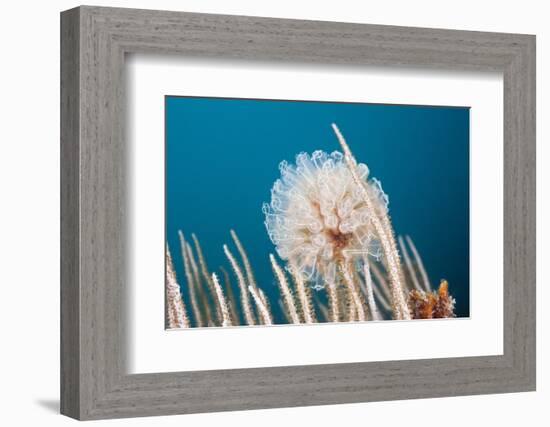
262	213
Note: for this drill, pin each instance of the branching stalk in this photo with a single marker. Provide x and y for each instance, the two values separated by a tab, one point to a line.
245	300
408	264
354	292
208	320
262	309
247	267
401	310
230	297
285	290
190	282
207	278
226	319
370	293
334	304
303	295
420	265
177	315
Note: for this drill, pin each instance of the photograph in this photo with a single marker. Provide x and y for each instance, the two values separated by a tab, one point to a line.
287	212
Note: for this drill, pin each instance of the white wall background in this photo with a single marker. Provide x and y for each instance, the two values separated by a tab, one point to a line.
29	211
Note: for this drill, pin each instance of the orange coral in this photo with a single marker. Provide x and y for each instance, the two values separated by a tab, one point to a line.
432	305
444	307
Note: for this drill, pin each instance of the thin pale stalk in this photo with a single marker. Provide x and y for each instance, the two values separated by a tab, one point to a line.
205	302
244	257
177	315
245	300
402	291
206	275
401	310
420	265
357	281
347	308
354	291
350	305
324	315
303	295
262	309
381	288
226	319
265	301
408	264
285	290
370	293
283	308
325	312
334	304
230	297
190	282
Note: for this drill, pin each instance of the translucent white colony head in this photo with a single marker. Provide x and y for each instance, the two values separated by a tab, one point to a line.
317	217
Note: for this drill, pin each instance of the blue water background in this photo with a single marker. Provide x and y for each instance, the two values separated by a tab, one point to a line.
222	158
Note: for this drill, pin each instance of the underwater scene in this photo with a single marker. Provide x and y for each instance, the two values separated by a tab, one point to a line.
301	212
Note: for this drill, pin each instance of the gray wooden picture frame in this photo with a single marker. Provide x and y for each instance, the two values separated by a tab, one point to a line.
94	382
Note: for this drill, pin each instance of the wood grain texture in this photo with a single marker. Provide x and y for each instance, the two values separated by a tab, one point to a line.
70	314
95	274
